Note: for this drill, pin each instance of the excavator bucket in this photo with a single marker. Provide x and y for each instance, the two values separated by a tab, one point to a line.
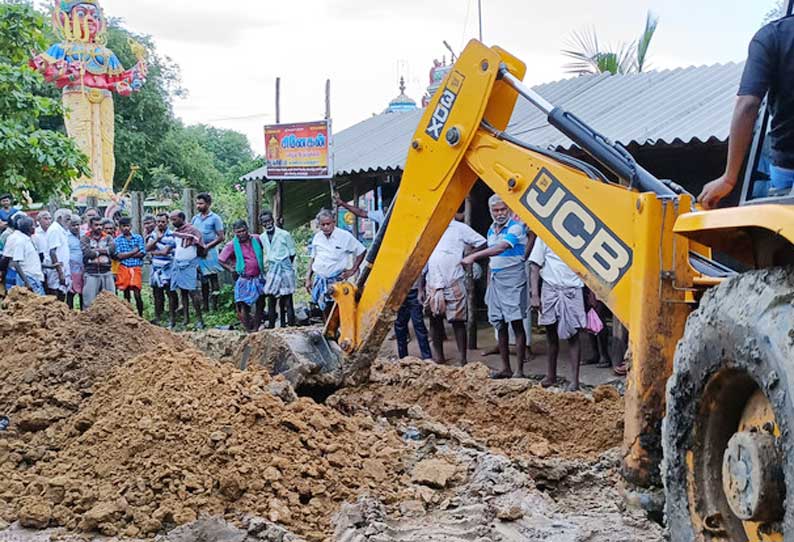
303	356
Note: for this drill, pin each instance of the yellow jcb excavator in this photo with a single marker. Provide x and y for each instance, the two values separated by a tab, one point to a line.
711	418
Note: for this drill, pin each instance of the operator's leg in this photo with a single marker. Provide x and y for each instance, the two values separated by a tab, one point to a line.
503	334
461	340
554	350
127	297
573	354
521	353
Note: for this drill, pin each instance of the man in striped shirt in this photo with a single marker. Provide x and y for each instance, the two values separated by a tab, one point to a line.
506	295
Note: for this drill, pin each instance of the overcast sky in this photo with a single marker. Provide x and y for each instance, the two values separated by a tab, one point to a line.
231	51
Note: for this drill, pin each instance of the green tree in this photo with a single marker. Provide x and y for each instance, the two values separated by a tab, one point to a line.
33	158
228	148
590	58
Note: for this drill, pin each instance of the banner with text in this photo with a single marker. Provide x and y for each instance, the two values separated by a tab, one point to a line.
299	151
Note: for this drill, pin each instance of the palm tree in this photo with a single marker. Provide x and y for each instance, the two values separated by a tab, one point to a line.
589	58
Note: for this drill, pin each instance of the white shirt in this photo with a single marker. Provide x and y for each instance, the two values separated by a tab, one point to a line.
443	267
184	253
20	248
552	269
40	241
377	216
57	239
334	254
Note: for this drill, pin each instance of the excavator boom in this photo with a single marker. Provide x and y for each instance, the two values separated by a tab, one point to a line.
617	238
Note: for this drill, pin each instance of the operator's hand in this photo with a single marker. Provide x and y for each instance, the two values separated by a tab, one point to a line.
347	273
421	296
61	277
337	198
534	302
308	285
714	191
468	260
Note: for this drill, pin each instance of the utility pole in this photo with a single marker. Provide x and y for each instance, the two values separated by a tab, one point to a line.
278	199
479	16
331	182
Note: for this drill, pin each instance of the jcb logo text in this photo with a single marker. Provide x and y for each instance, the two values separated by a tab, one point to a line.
587	237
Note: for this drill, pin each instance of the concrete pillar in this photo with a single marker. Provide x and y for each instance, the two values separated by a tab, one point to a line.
136	211
189	203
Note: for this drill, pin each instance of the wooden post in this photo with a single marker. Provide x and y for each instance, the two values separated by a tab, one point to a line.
253	196
136	210
188	203
355	204
331	182
471	305
327	99
278	100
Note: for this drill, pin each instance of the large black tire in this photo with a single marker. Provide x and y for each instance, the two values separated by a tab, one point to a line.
740	340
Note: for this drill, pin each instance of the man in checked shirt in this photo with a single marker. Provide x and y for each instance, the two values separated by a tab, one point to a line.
130	251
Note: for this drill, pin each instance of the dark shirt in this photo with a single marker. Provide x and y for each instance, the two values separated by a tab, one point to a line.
770	68
96	263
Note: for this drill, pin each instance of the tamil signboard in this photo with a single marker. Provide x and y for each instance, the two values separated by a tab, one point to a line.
299	151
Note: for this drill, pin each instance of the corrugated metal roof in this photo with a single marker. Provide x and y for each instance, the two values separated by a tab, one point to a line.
651	108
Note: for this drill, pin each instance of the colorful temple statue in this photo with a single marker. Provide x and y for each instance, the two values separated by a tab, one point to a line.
89	73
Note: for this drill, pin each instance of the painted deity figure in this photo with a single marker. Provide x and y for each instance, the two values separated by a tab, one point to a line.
89	73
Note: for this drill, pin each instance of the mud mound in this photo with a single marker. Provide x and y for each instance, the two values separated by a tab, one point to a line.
169	437
52	356
512	416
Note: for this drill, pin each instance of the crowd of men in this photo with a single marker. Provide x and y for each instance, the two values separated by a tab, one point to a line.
523	274
77	257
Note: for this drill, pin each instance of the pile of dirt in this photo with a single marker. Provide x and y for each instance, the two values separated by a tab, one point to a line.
52	356
516	417
171	437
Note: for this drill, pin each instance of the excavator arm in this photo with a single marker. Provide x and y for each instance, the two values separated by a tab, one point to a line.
618	238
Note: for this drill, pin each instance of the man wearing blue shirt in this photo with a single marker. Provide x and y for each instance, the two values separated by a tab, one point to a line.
6	211
769	71
506	295
211	227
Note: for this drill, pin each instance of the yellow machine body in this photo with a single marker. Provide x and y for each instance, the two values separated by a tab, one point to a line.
632	249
